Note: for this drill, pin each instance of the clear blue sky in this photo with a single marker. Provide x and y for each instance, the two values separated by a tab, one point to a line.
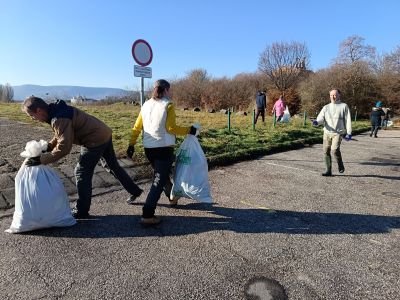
88	43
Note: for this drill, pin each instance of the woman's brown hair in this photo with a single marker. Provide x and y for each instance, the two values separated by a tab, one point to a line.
160	86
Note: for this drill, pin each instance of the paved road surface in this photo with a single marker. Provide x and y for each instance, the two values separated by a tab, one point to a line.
273	218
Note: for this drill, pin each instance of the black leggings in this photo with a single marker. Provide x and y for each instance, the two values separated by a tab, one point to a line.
161	160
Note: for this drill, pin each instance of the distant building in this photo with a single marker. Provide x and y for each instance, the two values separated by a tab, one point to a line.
82	100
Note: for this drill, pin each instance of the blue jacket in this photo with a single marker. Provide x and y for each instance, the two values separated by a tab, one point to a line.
261	101
376	115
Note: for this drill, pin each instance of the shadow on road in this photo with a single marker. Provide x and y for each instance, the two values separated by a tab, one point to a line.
383	163
228	219
373	176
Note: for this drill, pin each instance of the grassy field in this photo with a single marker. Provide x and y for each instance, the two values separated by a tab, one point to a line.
220	145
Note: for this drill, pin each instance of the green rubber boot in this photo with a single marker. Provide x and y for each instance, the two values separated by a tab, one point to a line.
328	164
340	162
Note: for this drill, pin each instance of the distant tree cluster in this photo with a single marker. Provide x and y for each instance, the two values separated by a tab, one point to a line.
133	97
362	76
198	89
6	93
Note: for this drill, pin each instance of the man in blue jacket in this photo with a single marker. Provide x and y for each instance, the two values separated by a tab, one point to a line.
376	118
261	104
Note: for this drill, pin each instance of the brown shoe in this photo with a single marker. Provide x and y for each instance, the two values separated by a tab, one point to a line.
150	221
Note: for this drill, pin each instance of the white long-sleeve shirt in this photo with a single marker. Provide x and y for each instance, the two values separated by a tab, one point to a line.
336	118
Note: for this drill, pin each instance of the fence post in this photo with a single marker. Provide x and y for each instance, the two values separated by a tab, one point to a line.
229	120
355	117
304	118
254	119
274	117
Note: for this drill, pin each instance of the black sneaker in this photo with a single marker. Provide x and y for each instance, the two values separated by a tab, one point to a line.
78	215
327	173
132	198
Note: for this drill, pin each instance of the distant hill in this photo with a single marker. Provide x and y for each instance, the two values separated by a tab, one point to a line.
65	92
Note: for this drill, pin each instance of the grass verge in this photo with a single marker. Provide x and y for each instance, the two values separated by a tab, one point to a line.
220	146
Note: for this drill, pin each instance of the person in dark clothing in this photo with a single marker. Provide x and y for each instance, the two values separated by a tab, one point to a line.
73	126
386	118
261	104
376	118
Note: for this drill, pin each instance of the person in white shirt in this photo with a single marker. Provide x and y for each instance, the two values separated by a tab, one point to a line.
336	119
157	122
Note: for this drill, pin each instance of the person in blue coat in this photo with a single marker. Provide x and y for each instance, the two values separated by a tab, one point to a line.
376	118
261	104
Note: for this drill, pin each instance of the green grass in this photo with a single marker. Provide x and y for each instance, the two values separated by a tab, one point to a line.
220	145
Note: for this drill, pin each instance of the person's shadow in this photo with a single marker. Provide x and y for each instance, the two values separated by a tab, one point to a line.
229	219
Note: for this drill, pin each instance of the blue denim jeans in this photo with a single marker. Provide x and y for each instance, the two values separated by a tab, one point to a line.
161	160
88	159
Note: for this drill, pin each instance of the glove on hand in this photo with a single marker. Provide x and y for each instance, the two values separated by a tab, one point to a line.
47	149
347	137
315	123
192	130
130	151
33	161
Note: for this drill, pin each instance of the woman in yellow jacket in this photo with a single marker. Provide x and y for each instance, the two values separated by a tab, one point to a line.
157	121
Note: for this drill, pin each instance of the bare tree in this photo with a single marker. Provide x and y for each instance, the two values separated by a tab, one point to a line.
190	89
391	62
389	79
359	87
6	93
197	79
284	63
353	49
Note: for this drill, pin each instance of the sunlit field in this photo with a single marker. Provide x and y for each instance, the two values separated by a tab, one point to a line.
219	144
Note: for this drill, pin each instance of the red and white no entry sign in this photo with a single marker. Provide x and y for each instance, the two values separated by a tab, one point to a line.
142	53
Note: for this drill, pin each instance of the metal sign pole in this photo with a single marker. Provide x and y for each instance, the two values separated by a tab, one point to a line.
141	91
143	55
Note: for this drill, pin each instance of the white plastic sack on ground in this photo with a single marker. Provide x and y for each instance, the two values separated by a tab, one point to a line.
191	172
40	197
286	115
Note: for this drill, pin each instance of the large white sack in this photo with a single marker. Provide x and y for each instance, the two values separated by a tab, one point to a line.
40	197
191	172
286	115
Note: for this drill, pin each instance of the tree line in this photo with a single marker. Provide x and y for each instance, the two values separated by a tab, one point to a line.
6	93
358	71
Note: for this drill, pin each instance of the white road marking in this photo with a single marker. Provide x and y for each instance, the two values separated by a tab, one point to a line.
278	165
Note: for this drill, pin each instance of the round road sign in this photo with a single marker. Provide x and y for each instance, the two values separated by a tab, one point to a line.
142	53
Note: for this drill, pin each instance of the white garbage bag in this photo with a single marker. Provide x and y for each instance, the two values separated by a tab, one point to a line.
40	197
286	115
191	172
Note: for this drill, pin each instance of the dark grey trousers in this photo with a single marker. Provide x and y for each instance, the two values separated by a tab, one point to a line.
161	160
88	159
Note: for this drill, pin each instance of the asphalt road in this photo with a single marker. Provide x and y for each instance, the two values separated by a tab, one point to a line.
274	218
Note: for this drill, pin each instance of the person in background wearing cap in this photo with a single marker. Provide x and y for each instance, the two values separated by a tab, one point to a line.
73	126
337	122
157	122
376	118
